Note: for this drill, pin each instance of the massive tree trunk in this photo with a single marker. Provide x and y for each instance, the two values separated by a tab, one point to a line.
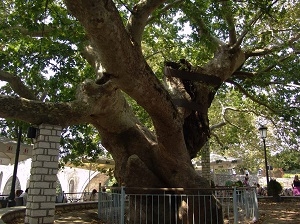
180	131
178	108
119	37
179	112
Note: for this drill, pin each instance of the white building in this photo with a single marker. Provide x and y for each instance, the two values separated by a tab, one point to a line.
70	179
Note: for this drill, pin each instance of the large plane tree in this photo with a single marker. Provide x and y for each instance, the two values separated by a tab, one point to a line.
93	61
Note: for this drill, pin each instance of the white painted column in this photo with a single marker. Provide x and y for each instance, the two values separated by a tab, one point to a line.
40	207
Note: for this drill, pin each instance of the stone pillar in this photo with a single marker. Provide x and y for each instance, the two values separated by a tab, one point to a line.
40	207
205	161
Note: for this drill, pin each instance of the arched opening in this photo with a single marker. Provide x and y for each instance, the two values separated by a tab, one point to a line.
7	187
71	186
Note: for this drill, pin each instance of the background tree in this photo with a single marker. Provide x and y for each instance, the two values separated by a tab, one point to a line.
87	67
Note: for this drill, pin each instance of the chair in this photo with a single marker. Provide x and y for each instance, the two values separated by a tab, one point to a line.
3	203
19	201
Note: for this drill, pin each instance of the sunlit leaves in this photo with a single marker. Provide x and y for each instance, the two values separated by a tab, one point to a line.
288	160
80	141
41	43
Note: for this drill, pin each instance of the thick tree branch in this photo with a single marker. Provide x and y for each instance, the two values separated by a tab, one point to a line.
228	15
107	33
139	17
165	8
203	30
37	112
92	58
245	31
17	85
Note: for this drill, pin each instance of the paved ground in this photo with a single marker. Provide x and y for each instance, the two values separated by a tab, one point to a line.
279	212
270	213
82	217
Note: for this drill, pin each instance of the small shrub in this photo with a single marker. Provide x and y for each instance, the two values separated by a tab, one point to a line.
228	183
238	183
274	188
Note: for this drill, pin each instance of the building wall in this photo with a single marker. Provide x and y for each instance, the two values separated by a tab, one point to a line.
84	180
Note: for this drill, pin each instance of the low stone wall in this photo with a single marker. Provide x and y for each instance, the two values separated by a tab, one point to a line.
282	198
11	213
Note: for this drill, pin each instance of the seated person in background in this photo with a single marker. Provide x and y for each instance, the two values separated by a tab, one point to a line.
93	196
296	181
260	190
296	186
24	195
18	193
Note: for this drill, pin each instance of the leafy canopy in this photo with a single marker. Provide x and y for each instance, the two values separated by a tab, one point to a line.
43	46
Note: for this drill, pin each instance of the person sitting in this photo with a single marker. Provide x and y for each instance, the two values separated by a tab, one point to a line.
18	199
260	190
93	196
296	186
18	193
24	196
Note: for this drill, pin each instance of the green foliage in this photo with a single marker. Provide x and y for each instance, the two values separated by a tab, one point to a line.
291	174
10	128
230	183
288	160
41	47
80	141
41	44
238	184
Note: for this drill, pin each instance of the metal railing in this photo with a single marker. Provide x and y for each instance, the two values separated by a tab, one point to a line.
175	206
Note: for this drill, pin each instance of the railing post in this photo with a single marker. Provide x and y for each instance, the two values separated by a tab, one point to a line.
246	202
122	205
99	201
255	205
235	206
